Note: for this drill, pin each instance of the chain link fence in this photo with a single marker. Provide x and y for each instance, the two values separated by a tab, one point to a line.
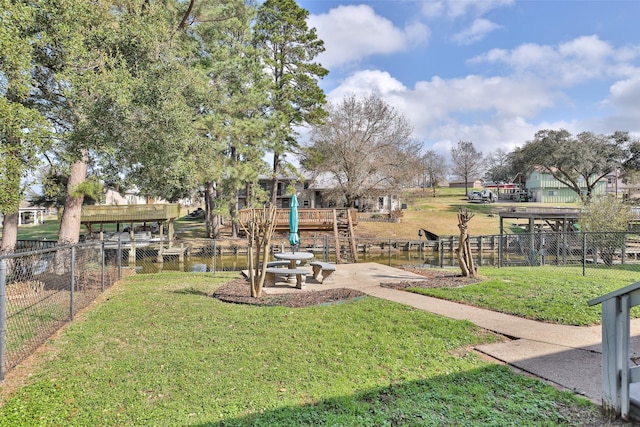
41	290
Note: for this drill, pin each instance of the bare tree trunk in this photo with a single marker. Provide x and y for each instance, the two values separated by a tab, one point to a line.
9	233
259	230
70	223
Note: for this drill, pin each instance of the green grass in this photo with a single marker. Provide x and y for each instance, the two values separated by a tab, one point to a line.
550	294
160	351
46	231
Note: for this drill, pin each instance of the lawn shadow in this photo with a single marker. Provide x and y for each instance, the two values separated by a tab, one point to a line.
191	291
492	395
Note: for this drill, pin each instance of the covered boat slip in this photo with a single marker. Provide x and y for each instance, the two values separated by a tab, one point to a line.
557	219
160	214
130	214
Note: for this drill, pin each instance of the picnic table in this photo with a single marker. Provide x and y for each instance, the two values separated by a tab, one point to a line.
294	258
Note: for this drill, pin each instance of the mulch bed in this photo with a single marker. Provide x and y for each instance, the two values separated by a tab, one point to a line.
238	291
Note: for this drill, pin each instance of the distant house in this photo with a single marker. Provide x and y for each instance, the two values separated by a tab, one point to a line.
29	214
544	188
313	193
618	187
305	196
477	183
132	196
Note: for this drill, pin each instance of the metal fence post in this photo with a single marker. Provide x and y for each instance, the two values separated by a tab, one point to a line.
325	248
73	279
584	254
389	252
3	314
119	256
215	249
102	262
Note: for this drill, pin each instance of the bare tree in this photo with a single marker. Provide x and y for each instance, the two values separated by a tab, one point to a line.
365	146
467	162
433	169
259	229
499	166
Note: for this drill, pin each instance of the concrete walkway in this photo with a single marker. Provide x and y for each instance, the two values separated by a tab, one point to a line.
567	356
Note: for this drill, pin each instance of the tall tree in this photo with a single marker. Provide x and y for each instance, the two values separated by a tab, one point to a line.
21	126
577	162
365	146
116	82
467	162
295	99
433	169
235	122
78	79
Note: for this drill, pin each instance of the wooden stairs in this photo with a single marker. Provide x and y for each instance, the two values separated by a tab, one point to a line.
346	249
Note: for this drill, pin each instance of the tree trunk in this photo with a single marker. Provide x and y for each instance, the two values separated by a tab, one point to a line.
70	223
274	181
234	214
9	233
210	218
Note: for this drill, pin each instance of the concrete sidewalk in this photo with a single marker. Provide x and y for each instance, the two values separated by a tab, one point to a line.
567	356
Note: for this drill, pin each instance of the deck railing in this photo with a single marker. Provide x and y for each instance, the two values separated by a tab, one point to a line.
618	376
307	218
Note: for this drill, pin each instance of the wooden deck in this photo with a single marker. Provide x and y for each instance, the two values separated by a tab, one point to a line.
309	219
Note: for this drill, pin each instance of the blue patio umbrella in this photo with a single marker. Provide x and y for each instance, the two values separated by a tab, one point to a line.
294	239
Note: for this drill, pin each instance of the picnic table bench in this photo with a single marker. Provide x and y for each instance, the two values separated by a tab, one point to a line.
325	268
272	272
276	264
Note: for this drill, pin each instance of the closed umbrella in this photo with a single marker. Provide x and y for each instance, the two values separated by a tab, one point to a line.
294	239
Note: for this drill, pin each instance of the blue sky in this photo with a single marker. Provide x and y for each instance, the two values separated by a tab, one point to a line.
492	72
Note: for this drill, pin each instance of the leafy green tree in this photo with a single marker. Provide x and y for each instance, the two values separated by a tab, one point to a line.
365	146
235	123
606	219
577	162
295	99
78	81
22	134
117	83
467	162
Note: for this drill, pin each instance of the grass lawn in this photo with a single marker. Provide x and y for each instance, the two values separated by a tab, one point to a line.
550	294
159	350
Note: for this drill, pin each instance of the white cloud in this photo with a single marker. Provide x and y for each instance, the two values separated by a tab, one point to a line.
567	64
454	9
476	32
351	33
500	107
367	81
624	96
